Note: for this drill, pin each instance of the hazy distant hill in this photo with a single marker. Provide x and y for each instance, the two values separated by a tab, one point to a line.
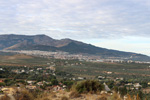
46	43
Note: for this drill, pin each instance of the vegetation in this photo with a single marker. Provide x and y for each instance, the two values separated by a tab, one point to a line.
5	97
129	71
79	91
74	94
64	98
89	86
17	71
45	43
24	95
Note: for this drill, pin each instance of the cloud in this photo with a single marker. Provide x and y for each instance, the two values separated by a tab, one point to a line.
76	19
105	23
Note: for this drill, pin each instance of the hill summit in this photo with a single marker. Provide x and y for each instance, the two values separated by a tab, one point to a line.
46	43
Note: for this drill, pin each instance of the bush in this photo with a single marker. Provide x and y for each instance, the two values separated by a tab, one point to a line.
68	84
24	95
43	96
5	97
123	91
53	95
54	82
2	84
87	86
74	94
116	96
64	98
101	98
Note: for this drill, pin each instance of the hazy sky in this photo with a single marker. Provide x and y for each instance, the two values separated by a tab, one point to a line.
114	24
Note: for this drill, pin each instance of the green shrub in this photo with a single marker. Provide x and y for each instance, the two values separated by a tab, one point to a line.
87	86
2	84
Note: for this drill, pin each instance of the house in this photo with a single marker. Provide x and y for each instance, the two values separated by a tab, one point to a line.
148	83
40	84
1	69
81	78
74	79
30	87
39	69
103	92
125	97
146	90
109	72
129	84
118	79
22	71
30	82
60	84
137	85
101	77
15	71
52	68
57	88
1	81
64	86
31	70
47	82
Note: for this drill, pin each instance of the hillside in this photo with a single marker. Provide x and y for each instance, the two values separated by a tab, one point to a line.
13	41
46	43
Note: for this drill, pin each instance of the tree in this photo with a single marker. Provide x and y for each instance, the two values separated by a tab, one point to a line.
144	84
123	91
2	84
54	82
140	94
115	89
89	86
110	84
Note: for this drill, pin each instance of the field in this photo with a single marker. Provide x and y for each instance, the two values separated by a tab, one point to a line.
125	70
77	68
22	60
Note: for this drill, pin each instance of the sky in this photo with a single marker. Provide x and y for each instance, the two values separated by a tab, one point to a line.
114	24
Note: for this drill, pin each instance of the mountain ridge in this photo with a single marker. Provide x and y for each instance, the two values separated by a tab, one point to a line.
46	43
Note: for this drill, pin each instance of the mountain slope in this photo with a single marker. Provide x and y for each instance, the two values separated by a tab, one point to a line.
45	43
93	50
7	41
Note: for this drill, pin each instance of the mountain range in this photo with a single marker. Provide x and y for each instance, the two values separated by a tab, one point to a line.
46	43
